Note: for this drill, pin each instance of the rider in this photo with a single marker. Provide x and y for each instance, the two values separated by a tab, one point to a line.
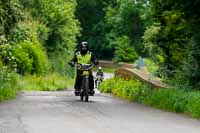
83	56
99	73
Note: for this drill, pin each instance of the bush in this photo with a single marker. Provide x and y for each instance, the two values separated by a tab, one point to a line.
121	88
28	30
59	63
26	57
124	52
193	105
8	81
107	86
38	55
151	66
61	27
163	99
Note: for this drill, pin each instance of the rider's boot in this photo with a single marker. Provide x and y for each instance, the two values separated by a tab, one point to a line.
92	92
77	92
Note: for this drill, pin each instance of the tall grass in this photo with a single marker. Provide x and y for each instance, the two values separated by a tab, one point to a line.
8	83
60	76
49	82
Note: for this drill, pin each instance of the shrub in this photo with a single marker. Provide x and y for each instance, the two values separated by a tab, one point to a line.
8	81
107	86
37	54
124	52
193	105
28	30
59	63
121	88
26	57
168	99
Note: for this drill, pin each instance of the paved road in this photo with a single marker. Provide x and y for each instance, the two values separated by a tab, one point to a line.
61	112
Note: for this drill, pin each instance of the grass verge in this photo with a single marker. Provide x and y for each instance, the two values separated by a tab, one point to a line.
8	84
51	82
175	100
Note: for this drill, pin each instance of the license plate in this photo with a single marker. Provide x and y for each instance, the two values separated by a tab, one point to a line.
85	72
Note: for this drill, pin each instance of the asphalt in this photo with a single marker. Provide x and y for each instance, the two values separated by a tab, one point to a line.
62	112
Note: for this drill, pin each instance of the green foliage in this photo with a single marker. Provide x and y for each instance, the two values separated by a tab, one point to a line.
193	106
107	86
10	14
9	83
151	66
38	55
30	30
22	59
124	52
125	19
191	66
91	15
26	57
176	39
121	88
50	82
150	36
161	39
58	17
175	100
103	22
163	99
59	63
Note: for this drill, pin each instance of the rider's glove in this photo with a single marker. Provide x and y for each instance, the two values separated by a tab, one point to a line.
71	64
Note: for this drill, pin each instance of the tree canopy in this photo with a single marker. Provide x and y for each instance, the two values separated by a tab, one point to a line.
168	32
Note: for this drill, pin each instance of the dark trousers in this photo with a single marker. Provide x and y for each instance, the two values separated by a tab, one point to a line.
79	79
96	82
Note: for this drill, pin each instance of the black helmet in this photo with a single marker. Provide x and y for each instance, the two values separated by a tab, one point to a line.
84	47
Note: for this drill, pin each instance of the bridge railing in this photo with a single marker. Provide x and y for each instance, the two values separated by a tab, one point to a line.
130	71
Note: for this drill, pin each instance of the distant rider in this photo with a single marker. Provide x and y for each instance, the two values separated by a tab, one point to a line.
99	74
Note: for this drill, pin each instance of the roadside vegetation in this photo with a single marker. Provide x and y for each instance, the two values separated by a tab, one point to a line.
37	39
175	100
8	83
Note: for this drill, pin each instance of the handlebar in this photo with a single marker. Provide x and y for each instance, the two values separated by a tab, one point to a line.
84	66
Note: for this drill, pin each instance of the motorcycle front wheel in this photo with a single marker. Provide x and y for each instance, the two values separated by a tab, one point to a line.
86	89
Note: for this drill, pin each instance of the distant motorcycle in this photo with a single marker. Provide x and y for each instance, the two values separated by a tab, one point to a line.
99	79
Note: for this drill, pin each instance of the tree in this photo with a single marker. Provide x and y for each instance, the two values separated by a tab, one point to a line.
10	14
59	18
177	38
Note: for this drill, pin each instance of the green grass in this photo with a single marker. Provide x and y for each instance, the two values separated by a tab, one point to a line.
150	65
51	82
11	83
8	83
175	100
122	88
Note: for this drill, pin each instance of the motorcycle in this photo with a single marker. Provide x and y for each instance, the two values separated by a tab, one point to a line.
99	79
84	93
